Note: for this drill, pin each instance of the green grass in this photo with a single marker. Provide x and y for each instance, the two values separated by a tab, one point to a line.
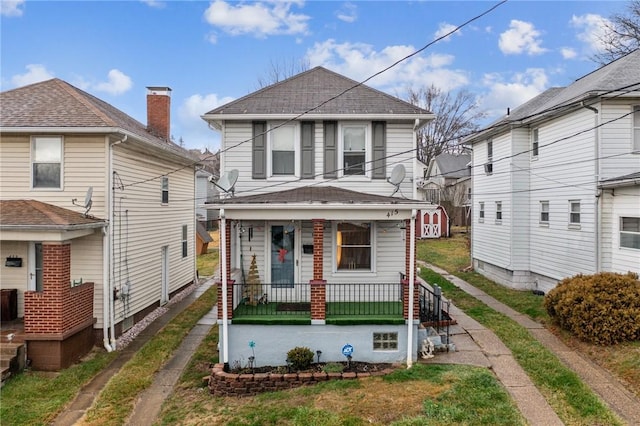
117	399
36	398
206	263
571	399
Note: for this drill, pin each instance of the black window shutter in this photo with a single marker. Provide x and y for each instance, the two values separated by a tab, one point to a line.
259	150
307	142
330	149
379	150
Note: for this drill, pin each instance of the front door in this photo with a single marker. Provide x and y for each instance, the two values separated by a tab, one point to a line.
283	255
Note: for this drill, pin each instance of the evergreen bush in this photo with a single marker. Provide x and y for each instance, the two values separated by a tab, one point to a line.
300	358
603	308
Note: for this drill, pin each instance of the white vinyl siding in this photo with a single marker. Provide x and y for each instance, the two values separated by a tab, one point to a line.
399	144
145	229
616	140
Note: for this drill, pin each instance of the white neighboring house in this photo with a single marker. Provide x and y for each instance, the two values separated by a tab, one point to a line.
88	264
556	188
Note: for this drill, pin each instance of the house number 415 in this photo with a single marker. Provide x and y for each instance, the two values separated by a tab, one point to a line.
392	212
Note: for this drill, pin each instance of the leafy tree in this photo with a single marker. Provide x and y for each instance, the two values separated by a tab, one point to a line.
455	117
621	34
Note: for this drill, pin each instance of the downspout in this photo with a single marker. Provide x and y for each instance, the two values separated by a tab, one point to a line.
223	271
412	279
107	262
597	205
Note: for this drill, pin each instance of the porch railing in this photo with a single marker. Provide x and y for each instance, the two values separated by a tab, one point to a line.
434	309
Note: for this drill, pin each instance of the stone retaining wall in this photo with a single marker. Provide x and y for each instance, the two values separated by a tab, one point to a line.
233	384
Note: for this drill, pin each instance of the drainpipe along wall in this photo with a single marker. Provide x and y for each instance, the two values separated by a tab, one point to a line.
412	278
223	272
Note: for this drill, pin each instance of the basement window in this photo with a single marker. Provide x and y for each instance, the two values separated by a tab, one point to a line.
385	341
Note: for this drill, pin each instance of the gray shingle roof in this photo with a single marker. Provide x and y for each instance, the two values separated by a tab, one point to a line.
32	214
313	88
453	166
316	195
57	104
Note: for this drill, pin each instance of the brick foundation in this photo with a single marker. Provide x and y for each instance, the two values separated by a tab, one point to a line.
232	384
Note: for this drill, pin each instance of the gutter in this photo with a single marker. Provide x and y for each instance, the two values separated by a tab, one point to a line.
596	174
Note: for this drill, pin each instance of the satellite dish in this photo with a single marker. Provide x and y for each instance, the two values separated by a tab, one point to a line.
227	181
87	201
397	176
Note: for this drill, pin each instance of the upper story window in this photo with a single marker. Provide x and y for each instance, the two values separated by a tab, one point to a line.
481	212
534	143
488	167
284	147
636	128
630	232
574	212
46	161
354	142
353	246
498	211
164	189
544	212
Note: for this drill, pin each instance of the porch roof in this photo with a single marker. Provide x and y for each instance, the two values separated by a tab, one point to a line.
314	202
20	219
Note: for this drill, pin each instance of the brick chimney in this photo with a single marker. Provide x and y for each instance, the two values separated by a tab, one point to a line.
159	111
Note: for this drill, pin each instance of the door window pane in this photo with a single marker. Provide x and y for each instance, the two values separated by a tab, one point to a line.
282	255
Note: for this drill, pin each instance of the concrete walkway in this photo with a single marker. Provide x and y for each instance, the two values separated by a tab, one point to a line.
87	395
477	345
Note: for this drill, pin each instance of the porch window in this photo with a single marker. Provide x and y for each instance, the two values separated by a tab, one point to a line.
636	128
46	162
283	145
353	246
354	148
630	232
385	341
164	189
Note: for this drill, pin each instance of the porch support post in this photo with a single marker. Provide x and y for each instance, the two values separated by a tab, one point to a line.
224	249
318	284
225	271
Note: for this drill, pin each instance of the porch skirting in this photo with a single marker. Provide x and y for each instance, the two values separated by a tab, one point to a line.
56	352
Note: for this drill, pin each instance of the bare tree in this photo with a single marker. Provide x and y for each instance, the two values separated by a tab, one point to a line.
621	34
456	117
281	70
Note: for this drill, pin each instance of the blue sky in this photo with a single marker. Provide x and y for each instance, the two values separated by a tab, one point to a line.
211	52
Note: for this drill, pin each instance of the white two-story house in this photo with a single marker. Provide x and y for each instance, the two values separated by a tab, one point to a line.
556	189
97	218
317	232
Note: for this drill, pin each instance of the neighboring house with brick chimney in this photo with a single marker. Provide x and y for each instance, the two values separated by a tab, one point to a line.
97	219
556	183
317	237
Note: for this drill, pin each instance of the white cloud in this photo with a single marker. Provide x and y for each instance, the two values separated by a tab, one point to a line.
117	83
35	73
568	53
359	61
154	3
260	19
347	13
591	30
512	93
193	129
521	37
11	7
444	29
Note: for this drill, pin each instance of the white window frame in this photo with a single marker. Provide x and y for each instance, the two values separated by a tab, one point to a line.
272	128
185	241
34	141
367	150
372	242
481	212
535	143
164	188
635	132
572	212
488	167
544	209
498	211
628	232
